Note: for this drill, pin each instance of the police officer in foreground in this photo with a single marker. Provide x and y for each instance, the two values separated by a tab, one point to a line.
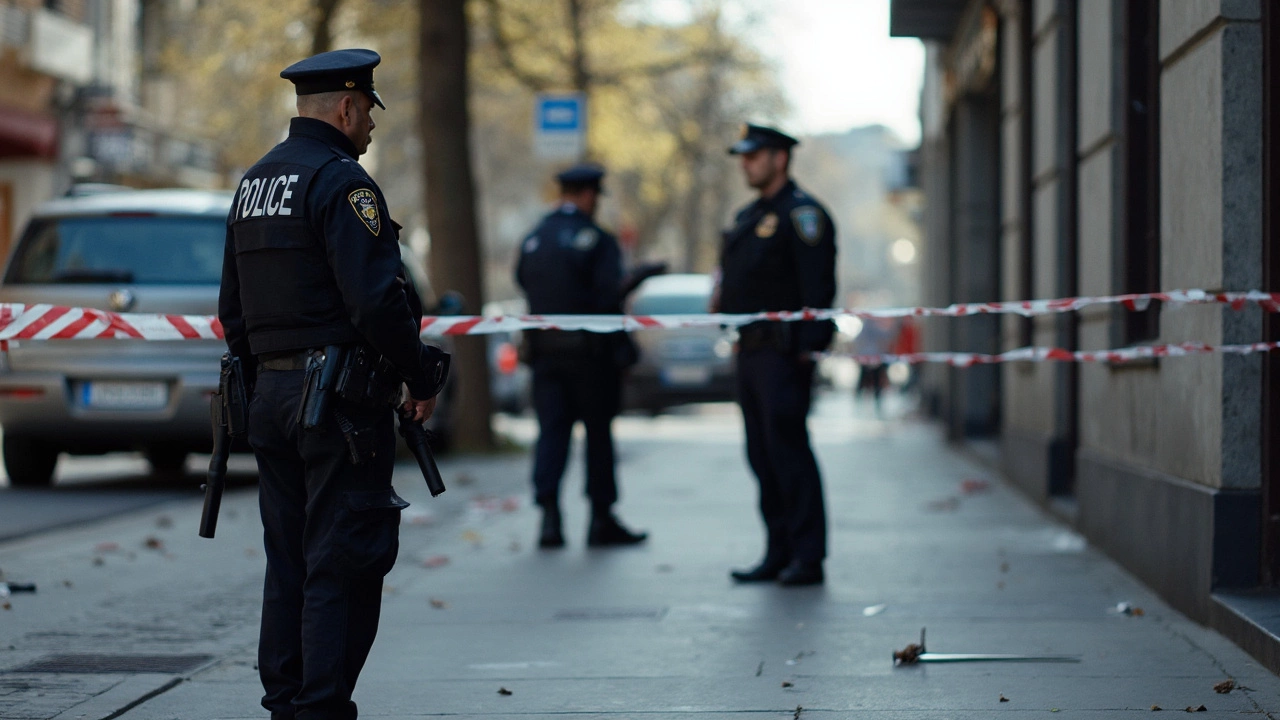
312	274
779	255
570	265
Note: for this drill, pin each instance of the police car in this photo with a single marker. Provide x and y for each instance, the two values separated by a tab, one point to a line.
145	251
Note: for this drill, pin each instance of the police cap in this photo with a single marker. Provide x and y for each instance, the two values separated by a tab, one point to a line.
585	174
756	137
335	71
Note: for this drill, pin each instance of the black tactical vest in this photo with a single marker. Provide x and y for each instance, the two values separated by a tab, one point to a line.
288	293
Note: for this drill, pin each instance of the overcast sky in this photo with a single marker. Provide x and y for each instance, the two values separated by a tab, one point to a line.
840	68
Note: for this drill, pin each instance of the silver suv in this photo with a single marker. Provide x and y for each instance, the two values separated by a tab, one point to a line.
148	251
145	251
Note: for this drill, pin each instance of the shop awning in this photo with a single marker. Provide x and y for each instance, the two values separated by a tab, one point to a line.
27	134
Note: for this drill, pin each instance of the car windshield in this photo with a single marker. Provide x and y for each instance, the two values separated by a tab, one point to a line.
144	250
669	305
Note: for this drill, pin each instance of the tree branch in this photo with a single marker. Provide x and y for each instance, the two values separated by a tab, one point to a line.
506	58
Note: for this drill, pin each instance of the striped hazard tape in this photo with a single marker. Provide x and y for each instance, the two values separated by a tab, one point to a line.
22	322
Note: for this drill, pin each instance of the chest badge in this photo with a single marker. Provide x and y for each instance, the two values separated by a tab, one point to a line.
585	239
365	203
767	226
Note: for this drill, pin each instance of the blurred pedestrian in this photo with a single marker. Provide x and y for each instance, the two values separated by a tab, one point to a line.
875	339
907	343
570	265
779	255
311	273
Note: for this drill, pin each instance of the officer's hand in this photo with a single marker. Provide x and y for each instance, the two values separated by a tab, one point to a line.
421	409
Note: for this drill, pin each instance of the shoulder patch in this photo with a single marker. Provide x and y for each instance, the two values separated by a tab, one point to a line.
585	239
809	224
531	244
365	203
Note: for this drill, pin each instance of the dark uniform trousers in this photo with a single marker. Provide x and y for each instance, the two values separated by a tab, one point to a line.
568	388
775	391
332	533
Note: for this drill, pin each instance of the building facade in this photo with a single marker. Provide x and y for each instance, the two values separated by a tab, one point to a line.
1096	147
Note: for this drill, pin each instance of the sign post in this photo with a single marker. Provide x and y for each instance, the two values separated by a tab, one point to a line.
560	126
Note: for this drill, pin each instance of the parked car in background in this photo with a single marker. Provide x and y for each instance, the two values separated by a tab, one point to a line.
145	251
678	365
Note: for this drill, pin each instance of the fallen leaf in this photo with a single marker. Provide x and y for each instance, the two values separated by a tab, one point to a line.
6	605
105	547
438	604
464	479
164	522
436	561
1156	708
510	504
760	668
66	583
908	655
973	485
503	691
473	537
99	561
153	543
1197	709
1003	698
250	552
787	684
1004	567
1138	612
1224	687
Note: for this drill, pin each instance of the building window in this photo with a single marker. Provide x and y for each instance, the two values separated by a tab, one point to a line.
1138	252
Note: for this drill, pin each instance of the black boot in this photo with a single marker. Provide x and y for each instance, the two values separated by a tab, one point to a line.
766	571
605	530
550	536
801	572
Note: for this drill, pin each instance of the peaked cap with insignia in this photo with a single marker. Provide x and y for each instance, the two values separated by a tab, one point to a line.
334	71
757	137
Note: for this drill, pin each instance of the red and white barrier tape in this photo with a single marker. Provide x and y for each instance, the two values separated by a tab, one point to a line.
1052	354
19	322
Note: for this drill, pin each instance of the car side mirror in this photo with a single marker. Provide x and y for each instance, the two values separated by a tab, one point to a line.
451	303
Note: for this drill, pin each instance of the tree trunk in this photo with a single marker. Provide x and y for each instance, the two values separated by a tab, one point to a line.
455	261
322	33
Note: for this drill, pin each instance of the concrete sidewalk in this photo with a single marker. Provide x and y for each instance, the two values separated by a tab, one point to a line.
920	537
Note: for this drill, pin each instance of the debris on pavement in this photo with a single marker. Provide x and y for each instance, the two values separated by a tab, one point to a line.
796	660
153	543
464	479
514	546
1003	698
164	522
474	538
99	561
798	711
970	486
436	561
438	604
916	653
1004	567
1224	687
760	669
1156	708
871	610
1126	608
12	587
1197	709
503	691
106	547
787	684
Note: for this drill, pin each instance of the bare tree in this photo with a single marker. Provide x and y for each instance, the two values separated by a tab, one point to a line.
455	260
322	31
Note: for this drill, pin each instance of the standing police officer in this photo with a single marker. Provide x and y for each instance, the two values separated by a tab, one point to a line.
570	265
779	255
312	273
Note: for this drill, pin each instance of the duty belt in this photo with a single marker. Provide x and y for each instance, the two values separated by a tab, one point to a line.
286	360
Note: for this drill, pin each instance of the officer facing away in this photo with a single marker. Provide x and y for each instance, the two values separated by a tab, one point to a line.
570	265
312	272
779	255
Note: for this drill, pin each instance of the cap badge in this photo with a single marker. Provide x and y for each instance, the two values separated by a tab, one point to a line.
365	203
767	226
351	83
743	131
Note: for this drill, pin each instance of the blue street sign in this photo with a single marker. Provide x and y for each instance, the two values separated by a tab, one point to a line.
559	125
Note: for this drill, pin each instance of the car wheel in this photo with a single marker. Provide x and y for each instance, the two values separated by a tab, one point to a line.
167	462
29	461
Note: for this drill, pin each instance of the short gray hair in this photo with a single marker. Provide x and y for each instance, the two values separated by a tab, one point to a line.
321	104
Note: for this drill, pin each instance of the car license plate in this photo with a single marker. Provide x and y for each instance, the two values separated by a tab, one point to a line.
686	375
110	395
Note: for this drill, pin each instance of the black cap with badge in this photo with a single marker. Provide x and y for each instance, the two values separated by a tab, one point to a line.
756	137
335	71
581	175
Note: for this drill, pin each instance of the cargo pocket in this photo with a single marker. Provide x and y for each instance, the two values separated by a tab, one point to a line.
368	534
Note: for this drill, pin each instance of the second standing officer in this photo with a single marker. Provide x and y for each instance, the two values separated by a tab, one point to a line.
569	265
312	273
779	255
